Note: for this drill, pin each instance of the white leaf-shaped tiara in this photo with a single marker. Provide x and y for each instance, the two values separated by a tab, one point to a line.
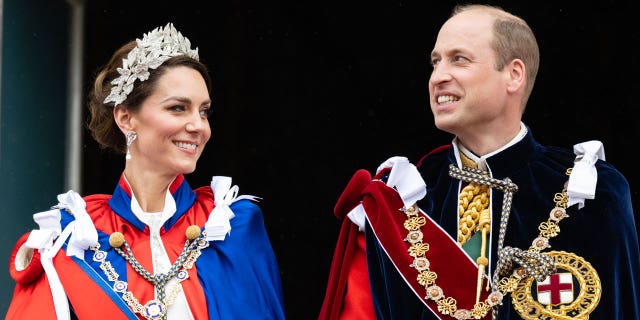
153	50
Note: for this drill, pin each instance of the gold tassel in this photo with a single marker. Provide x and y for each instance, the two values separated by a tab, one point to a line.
484	225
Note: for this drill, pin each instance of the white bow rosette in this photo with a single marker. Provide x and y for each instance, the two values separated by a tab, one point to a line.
218	225
404	178
83	233
584	176
50	237
50	229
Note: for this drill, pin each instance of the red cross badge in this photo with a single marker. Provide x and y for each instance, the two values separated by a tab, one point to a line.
556	289
573	293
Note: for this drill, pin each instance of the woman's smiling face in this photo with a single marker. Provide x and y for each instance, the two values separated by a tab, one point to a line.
172	124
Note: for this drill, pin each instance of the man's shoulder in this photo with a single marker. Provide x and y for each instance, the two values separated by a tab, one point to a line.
434	156
607	171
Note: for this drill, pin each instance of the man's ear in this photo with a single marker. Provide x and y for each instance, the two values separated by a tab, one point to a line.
122	116
517	75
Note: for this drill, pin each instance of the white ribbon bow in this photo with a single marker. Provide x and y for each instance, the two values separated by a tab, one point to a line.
43	240
404	178
224	195
83	234
50	229
584	176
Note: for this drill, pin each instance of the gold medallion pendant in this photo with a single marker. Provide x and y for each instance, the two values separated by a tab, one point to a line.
555	296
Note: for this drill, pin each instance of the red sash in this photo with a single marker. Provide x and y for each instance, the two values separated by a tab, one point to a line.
457	273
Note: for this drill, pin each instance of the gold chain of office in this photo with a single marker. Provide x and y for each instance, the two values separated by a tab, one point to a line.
448	305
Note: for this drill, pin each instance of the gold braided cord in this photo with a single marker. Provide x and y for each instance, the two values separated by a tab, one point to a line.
473	202
474	216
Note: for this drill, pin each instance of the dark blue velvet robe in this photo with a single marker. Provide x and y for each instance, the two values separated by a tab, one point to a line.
603	232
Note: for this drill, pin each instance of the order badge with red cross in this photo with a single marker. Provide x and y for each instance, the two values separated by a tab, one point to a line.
556	289
573	292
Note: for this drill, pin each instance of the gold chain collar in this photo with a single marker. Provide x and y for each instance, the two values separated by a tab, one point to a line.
427	277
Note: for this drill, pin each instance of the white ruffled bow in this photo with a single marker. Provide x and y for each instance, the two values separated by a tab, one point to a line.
584	176
84	234
218	225
50	229
404	178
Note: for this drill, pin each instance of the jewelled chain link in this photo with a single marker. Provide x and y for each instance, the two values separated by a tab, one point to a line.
158	280
533	262
154	309
427	277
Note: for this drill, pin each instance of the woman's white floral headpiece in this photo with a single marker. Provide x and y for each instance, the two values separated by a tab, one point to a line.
153	50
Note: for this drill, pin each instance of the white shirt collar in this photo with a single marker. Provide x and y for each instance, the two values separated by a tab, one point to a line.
481	161
154	220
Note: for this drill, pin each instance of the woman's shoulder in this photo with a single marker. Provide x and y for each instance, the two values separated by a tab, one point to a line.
228	196
97	203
